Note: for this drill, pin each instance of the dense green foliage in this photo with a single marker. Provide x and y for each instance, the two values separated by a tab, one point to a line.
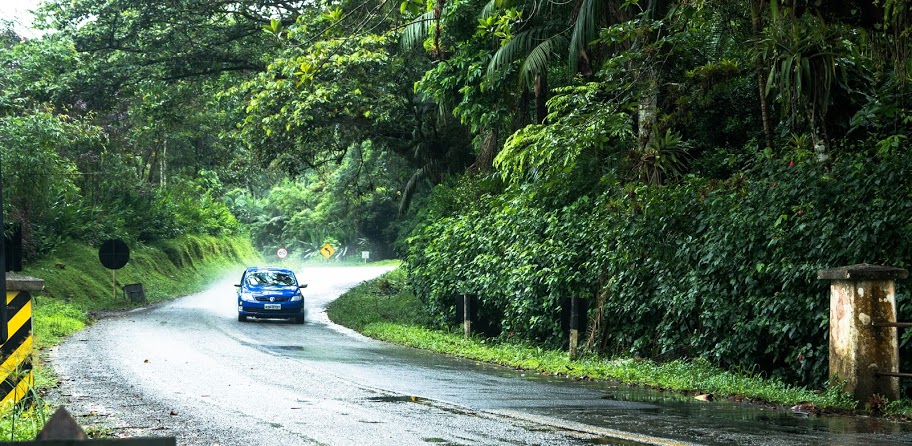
646	190
352	206
724	270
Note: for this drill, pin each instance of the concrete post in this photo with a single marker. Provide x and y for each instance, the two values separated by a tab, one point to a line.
861	296
17	348
18	282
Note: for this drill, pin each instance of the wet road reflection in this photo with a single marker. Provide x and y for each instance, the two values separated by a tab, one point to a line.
189	369
421	376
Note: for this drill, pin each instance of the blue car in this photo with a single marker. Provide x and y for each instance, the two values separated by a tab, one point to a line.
270	293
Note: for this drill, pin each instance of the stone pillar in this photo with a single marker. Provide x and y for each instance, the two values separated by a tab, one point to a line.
860	297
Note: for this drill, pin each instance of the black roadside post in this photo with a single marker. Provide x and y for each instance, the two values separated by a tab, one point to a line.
574	326
467	315
4	326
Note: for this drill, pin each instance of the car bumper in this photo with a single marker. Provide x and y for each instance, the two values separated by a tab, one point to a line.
258	309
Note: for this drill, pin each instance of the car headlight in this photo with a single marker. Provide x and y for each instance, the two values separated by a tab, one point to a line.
297	297
247	296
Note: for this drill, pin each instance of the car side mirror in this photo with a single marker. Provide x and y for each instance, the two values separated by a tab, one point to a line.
237	285
302	286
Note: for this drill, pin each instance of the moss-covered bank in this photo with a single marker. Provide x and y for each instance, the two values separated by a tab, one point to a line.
76	284
77	287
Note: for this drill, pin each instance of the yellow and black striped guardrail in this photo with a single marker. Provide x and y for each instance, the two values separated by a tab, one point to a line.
16	352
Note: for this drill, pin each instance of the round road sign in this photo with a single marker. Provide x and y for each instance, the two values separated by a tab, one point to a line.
114	254
282	253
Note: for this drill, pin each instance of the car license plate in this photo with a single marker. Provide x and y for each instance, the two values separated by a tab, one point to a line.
272	306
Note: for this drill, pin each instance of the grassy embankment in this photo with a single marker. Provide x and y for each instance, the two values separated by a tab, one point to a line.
385	309
77	287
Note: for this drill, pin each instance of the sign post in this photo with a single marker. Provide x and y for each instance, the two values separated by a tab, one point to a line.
114	255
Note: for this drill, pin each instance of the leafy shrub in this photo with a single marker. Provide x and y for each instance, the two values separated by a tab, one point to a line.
723	270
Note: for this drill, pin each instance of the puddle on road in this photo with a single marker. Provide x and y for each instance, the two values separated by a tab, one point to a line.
397	399
609	442
728	423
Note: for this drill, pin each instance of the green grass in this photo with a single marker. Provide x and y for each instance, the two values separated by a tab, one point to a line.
383	299
385	309
78	286
23	424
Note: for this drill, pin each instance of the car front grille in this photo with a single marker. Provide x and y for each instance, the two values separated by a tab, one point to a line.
268	299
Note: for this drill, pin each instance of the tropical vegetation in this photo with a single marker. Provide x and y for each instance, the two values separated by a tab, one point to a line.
684	166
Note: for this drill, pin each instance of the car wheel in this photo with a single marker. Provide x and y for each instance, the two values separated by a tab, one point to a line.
242	318
299	319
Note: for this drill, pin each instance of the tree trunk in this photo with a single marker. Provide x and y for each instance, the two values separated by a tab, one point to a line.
484	162
647	109
438	12
522	110
153	160
756	25
163	164
541	98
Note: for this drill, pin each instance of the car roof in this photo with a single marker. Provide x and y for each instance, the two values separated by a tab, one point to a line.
269	268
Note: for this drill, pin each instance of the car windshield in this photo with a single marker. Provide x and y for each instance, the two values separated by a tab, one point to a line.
270	278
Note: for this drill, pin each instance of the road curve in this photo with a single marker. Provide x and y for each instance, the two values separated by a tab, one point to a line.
189	369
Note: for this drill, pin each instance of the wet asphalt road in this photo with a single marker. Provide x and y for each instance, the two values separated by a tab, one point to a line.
189	369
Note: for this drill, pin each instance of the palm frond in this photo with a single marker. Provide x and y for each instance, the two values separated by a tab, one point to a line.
536	62
416	31
408	192
489	9
517	47
522	46
586	29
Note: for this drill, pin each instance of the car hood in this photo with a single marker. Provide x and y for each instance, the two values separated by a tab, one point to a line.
286	291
